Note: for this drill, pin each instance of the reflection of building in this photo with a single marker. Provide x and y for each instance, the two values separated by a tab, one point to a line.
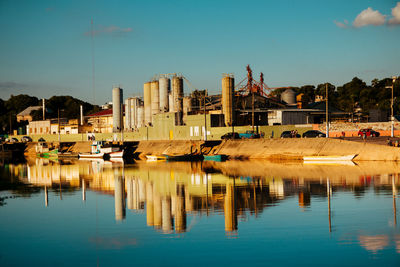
172	198
374	243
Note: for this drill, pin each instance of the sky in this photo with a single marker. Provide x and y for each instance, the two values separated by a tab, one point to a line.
48	47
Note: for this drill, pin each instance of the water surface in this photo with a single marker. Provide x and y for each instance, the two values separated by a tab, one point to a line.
179	214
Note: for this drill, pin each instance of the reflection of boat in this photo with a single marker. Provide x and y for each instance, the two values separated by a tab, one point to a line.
330	158
218	158
49	154
155	158
326	162
184	157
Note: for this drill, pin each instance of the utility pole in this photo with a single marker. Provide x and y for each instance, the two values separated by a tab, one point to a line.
58	120
252	110
327	117
205	117
391	107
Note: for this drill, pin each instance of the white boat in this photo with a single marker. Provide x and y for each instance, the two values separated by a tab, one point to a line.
91	155
330	158
330	163
116	154
155	158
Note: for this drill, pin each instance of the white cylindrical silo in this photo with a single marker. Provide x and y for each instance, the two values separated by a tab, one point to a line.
164	84
132	104
155	98
117	109
140	117
147	103
128	115
289	96
171	102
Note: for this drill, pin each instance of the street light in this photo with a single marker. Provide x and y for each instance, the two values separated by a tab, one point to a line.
394	78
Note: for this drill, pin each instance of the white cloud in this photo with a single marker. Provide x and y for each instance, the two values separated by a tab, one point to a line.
109	30
341	24
369	17
396	15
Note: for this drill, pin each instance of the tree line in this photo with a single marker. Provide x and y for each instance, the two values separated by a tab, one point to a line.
69	108
354	95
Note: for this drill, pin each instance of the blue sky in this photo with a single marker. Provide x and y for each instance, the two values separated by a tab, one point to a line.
46	45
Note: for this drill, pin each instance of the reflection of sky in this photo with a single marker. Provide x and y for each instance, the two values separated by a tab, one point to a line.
70	231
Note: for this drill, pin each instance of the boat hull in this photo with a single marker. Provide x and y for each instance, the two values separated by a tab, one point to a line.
91	155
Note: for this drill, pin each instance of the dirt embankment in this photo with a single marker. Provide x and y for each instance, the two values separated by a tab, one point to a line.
272	149
275	149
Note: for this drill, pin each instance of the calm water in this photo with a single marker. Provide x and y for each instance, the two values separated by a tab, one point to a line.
197	214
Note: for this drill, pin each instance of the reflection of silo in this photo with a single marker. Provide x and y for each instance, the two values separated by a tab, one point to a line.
227	99
289	96
177	89
164	90
128	114
187	105
180	213
140	116
149	204
119	197
157	209
155	99
166	214
117	109
230	209
147	103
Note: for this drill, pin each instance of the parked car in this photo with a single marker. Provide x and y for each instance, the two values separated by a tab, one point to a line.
368	132
12	140
26	139
41	139
313	133
249	135
289	134
230	136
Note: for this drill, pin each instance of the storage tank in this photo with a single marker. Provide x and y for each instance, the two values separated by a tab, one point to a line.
289	96
147	103
134	102
155	98
117	109
171	102
177	89
164	84
128	115
187	105
227	98
140	116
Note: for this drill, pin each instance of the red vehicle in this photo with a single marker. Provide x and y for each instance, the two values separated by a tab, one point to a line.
368	132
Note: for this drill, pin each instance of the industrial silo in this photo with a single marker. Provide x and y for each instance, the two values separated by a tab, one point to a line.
289	97
164	83
134	102
177	88
227	98
128	115
155	98
187	105
171	102
117	109
140	116
147	103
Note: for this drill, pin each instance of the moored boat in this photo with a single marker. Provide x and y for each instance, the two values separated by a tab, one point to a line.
184	157
116	154
91	155
218	158
155	158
